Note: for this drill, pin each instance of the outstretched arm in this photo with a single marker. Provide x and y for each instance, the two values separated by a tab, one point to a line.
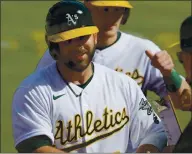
178	89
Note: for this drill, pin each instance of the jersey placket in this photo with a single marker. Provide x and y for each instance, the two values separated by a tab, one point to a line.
84	107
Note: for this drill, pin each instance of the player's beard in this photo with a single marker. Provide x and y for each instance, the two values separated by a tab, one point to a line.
80	66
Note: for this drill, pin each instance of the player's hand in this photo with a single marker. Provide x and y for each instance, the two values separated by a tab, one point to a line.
162	61
186	100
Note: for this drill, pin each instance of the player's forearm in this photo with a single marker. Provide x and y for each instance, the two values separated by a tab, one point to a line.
147	148
179	90
48	149
182	98
157	139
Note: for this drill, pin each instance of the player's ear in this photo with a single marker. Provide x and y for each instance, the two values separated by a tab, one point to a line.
179	56
95	38
53	48
125	16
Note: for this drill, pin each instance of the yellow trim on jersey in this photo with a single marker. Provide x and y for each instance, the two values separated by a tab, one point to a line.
120	3
67	35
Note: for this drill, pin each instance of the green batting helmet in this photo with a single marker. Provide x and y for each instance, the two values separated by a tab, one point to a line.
66	20
186	35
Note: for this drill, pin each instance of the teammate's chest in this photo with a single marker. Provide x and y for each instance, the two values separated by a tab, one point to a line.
133	65
129	58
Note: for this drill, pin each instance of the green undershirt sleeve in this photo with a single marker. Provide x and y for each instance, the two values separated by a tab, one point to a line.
33	143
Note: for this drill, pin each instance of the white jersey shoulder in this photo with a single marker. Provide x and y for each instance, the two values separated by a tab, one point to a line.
45	60
138	42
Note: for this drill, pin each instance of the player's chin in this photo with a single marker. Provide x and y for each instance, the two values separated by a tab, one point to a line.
109	32
82	65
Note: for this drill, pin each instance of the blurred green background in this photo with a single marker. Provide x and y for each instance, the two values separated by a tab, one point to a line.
22	44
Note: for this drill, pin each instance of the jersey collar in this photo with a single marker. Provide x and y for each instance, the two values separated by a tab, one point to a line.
75	89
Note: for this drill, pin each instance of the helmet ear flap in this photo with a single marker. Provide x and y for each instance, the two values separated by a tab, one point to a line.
125	16
53	48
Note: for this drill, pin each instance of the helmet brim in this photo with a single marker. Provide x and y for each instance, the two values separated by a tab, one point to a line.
173	49
176	47
74	33
121	3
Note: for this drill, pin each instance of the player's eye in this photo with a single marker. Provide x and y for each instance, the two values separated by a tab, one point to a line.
69	41
106	9
81	38
117	9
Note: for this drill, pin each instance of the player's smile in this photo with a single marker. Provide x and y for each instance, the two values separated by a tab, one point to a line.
80	55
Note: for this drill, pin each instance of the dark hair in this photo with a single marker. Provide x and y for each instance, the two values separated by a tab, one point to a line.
126	16
186	34
187	21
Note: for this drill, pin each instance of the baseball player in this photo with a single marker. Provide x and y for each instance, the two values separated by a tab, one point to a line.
75	105
185	57
126	53
184	143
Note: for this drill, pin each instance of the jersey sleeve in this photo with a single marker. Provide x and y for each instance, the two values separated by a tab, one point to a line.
31	115
45	60
145	125
153	77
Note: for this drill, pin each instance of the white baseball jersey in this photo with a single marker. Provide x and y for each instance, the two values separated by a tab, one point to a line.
128	56
110	114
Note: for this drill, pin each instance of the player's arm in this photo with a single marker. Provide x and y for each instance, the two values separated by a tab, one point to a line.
182	98
48	149
178	88
37	144
45	60
146	129
31	121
